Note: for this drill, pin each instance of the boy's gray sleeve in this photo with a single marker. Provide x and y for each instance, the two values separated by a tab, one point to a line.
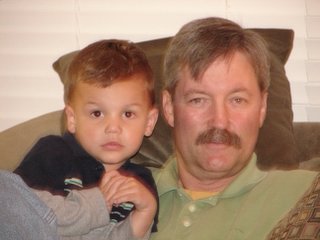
84	213
22	214
79	212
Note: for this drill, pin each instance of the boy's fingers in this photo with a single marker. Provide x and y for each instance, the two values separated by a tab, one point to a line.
112	186
108	176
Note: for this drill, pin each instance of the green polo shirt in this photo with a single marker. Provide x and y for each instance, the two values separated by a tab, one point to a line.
247	209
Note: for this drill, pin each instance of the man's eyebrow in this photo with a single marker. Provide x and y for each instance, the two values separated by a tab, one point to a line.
194	91
240	90
203	92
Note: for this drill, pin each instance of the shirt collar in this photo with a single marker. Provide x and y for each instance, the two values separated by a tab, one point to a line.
80	152
248	178
74	145
167	179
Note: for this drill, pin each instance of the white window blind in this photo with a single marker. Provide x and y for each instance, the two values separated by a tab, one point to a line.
34	33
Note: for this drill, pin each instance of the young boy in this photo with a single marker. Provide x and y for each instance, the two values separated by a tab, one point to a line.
109	108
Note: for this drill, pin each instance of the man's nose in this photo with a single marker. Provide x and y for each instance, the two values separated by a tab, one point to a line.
219	116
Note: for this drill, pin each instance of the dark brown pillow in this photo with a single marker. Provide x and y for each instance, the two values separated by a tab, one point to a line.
276	144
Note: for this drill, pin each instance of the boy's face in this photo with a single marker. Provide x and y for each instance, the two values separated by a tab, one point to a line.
110	122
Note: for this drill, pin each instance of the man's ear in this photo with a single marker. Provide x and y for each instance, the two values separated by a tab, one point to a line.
167	106
263	109
71	119
151	121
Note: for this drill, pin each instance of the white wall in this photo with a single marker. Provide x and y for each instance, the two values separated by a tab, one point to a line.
34	33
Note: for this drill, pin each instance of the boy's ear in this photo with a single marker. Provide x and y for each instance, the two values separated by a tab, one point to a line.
71	120
167	107
151	121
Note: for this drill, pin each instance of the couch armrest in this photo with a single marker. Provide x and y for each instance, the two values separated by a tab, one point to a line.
307	136
15	142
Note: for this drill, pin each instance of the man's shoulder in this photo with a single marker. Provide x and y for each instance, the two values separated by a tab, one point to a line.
292	174
291	178
308	205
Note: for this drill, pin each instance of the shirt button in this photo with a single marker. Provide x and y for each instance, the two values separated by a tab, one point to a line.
186	222
192	208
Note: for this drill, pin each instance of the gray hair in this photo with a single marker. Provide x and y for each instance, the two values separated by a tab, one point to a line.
201	42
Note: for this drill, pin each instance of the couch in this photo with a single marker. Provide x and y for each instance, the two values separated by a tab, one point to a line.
282	143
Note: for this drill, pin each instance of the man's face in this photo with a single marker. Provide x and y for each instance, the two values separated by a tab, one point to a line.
216	119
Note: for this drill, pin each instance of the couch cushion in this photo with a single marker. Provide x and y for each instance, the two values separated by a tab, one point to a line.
276	144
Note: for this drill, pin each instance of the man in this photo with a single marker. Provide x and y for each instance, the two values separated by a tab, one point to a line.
215	99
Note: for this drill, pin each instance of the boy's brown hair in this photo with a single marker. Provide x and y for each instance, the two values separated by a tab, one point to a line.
108	61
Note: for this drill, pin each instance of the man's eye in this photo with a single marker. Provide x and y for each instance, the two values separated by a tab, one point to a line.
196	101
238	100
96	114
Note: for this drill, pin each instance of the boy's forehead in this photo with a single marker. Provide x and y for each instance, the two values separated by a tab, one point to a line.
129	85
138	86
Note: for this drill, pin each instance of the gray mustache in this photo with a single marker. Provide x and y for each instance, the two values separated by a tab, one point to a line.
219	136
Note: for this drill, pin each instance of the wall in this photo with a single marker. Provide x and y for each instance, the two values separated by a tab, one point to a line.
34	33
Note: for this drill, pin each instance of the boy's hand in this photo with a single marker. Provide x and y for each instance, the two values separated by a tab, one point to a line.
109	185
118	188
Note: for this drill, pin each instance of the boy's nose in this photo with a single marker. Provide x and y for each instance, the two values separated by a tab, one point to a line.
113	125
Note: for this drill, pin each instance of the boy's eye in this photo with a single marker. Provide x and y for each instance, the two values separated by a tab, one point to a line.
96	114
128	114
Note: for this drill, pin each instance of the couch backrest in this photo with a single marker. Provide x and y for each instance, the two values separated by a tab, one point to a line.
276	143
